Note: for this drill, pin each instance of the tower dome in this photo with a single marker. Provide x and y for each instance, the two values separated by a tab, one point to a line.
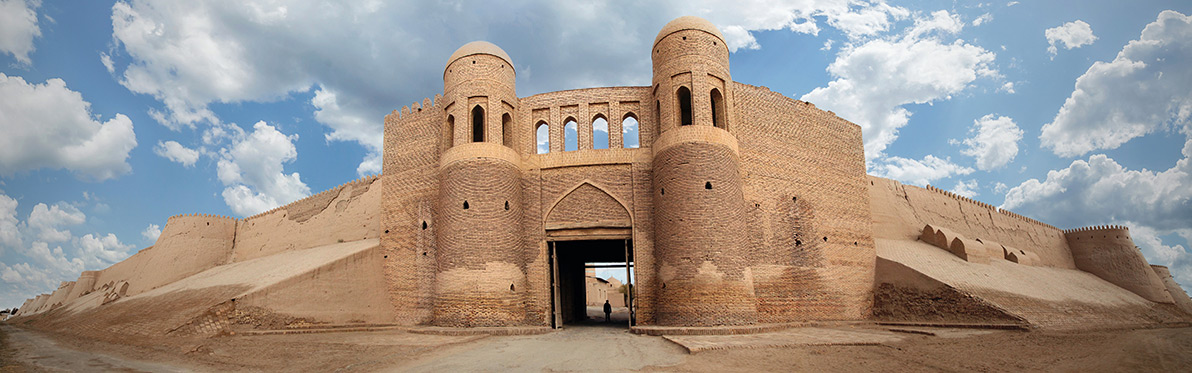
479	47
688	23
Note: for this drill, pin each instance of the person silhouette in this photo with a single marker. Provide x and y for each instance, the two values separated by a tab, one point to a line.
608	311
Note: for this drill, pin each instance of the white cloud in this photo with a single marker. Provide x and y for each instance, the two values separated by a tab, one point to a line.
50	126
1072	34
1012	3
47	222
252	170
9	235
175	152
966	188
346	125
995	142
106	60
1100	188
983	19
99	251
874	80
18	28
1008	87
1144	89
919	172
39	267
152	232
1000	187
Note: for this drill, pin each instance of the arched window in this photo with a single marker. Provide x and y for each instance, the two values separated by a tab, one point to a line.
449	132
657	112
600	132
542	137
717	109
507	130
684	106
477	124
570	135
629	132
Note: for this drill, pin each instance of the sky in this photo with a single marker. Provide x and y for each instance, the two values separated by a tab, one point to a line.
115	115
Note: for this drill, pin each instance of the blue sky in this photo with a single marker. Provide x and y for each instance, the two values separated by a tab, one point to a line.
117	115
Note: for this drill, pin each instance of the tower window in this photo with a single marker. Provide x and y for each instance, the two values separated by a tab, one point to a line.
542	137
449	132
708	185
477	124
506	131
465	205
717	109
684	106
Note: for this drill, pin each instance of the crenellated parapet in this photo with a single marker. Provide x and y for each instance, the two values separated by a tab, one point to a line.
990	207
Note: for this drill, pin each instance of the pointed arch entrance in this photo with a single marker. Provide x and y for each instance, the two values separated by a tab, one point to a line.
589	233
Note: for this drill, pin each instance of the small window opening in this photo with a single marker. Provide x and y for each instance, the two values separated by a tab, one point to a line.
386	231
717	109
825	239
684	38
798	243
423	225
465	205
511	287
507	130
708	185
662	191
684	106
477	124
794	199
386	257
506	205
449	133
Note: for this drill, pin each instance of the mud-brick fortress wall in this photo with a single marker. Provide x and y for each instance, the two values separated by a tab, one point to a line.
348	212
188	244
900	211
1109	253
807	199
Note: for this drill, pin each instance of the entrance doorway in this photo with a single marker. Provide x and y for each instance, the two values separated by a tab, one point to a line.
585	274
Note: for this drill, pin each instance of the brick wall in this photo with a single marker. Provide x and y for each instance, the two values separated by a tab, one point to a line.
803	172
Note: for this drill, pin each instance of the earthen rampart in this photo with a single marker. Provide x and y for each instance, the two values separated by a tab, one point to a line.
85	284
1108	252
900	212
348	212
189	244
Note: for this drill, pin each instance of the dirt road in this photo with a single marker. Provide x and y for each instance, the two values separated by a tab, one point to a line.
611	348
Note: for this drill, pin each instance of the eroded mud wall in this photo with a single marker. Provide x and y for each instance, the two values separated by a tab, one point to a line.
349	212
900	212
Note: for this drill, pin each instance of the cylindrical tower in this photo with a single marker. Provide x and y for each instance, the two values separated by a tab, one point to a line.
699	207
1109	253
480	271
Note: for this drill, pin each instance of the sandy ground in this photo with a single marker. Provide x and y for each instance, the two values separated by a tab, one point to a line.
606	347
